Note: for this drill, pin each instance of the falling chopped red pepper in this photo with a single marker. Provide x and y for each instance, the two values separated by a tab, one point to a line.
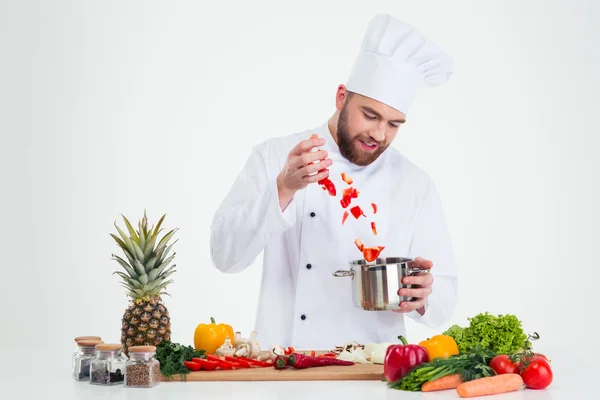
344	217
371	253
374	228
357	212
326	182
345	202
359	244
347	195
350	192
346	178
374	208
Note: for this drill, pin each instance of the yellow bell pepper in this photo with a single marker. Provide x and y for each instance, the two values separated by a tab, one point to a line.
209	337
440	346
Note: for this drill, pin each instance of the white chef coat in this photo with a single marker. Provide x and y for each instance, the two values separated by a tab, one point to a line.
301	303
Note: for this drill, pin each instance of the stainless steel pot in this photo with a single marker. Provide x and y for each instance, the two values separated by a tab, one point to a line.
375	285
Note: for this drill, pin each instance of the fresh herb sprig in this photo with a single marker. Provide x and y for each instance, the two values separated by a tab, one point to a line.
470	366
172	355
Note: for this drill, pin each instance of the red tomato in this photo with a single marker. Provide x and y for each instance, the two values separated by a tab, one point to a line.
525	358
501	364
537	374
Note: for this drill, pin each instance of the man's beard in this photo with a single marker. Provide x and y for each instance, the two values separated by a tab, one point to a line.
348	147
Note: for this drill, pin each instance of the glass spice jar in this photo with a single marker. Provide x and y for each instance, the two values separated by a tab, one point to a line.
108	368
86	352
77	339
142	369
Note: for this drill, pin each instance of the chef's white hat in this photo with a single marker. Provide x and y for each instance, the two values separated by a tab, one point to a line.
395	61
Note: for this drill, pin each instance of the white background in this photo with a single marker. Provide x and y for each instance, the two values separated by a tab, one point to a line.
119	106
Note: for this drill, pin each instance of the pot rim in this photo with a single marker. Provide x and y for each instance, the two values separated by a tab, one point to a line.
381	261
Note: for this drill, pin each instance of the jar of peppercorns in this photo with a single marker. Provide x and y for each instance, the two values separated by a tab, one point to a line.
77	339
86	352
142	369
108	368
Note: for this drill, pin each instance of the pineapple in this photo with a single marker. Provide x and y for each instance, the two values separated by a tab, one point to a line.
146	320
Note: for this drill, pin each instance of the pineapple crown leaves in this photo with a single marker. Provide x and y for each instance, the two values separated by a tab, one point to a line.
146	262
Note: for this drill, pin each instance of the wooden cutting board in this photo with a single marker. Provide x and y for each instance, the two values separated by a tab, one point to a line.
357	372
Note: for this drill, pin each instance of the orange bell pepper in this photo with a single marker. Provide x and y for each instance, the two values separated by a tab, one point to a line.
209	337
440	346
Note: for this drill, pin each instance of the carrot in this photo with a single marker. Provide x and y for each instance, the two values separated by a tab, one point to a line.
443	383
490	385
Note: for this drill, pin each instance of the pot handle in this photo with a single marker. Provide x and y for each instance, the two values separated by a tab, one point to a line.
343	273
413	271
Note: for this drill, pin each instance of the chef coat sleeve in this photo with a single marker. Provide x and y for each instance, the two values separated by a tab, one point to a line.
431	240
249	215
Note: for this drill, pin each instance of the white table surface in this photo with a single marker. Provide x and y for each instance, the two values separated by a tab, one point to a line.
574	378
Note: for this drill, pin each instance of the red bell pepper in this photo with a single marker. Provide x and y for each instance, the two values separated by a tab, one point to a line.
359	244
400	359
371	253
256	363
374	228
192	365
344	217
346	178
374	208
206	364
328	184
357	212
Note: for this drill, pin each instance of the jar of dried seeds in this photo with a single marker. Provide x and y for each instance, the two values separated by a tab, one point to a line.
108	368
142	369
86	352
77	339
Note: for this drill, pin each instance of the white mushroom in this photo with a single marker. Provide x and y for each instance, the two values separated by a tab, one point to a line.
226	349
247	347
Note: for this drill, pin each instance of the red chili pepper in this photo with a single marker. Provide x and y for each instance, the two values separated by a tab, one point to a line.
357	212
301	361
344	217
346	178
281	362
400	359
374	208
192	365
206	364
328	355
374	228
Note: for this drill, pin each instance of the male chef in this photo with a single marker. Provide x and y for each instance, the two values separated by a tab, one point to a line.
280	205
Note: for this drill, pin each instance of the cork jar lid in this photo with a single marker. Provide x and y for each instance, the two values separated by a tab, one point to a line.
109	346
89	343
78	338
141	349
